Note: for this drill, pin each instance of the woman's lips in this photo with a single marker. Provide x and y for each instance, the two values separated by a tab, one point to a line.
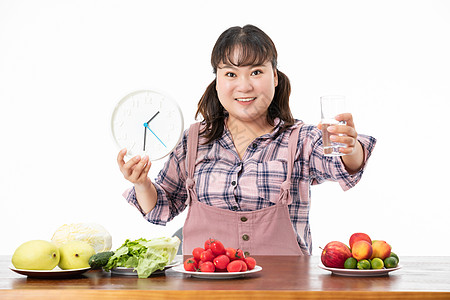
246	100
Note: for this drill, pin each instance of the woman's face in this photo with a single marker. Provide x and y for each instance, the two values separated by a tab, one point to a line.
247	91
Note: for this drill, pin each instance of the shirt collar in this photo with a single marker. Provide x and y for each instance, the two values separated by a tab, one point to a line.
278	124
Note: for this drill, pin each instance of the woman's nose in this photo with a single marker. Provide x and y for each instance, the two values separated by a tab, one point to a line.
244	84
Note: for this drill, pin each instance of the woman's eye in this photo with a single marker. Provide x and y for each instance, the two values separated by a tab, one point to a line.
257	72
229	74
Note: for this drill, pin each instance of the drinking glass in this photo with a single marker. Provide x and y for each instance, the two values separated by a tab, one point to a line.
331	106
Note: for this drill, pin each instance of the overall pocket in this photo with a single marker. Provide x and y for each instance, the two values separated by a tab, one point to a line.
271	175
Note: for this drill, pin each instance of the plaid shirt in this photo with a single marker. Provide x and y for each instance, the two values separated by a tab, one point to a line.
225	181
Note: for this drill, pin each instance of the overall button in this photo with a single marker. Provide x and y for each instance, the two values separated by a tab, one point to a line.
233	183
244	219
245	237
246	253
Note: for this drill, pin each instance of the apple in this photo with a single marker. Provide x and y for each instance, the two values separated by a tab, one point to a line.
362	250
381	249
335	254
358	237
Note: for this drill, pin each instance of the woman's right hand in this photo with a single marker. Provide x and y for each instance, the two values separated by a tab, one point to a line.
136	169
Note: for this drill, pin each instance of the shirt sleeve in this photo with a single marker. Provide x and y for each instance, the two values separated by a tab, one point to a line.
322	168
170	188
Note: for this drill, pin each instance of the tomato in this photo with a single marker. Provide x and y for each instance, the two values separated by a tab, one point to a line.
234	266
251	262
207	255
230	252
196	252
244	266
207	266
190	264
217	247
221	261
240	254
234	254
208	243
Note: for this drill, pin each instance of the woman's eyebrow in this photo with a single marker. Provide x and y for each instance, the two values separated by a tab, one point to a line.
228	66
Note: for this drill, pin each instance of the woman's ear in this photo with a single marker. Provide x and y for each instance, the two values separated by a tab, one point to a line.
275	77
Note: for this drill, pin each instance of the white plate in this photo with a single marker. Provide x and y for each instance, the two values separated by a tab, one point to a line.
132	272
55	273
357	272
216	275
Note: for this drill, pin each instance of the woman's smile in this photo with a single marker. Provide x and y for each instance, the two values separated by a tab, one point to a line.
245	100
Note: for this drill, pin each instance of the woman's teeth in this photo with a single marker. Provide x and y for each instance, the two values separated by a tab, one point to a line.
245	99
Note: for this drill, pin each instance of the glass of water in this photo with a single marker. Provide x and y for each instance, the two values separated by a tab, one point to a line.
331	106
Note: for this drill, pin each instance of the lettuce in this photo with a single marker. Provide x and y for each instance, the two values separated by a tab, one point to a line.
145	256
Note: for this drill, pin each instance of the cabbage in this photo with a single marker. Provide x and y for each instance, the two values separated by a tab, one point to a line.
145	256
93	234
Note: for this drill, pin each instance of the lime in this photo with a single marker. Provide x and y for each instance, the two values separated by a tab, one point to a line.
350	263
363	264
395	255
377	263
390	262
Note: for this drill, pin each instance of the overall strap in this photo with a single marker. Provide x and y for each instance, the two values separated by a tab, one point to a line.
191	156
285	197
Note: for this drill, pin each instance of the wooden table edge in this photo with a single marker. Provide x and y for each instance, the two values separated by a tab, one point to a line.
69	294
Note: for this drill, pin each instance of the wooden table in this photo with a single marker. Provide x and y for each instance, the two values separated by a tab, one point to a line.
286	277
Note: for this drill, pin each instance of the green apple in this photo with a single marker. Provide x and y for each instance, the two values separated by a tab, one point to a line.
36	255
75	255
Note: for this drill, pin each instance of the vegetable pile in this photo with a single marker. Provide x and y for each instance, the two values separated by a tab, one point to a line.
214	257
145	256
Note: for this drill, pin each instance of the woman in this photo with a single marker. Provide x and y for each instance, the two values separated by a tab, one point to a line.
245	171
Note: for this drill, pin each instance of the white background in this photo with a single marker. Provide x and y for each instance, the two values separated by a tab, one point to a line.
65	64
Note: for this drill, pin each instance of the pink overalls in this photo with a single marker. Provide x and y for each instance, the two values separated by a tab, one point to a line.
267	231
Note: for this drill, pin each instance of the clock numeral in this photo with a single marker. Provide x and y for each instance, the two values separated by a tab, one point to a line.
167	137
118	123
126	112
158	104
131	146
148	98
135	103
122	136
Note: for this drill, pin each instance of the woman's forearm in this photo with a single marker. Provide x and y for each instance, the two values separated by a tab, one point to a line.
146	195
353	162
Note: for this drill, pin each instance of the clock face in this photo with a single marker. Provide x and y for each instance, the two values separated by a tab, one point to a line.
147	123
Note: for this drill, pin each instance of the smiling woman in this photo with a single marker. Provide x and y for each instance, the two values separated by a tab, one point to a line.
247	168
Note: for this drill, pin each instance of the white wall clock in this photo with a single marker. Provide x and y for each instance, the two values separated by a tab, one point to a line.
147	123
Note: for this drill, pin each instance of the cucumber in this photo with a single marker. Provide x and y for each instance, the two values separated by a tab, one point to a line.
100	260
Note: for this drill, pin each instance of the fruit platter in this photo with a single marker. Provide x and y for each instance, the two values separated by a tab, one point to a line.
362	257
215	261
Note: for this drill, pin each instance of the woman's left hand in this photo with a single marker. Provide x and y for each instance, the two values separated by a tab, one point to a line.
344	134
354	158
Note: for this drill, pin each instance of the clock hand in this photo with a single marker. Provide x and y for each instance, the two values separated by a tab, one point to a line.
145	133
153	117
146	125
